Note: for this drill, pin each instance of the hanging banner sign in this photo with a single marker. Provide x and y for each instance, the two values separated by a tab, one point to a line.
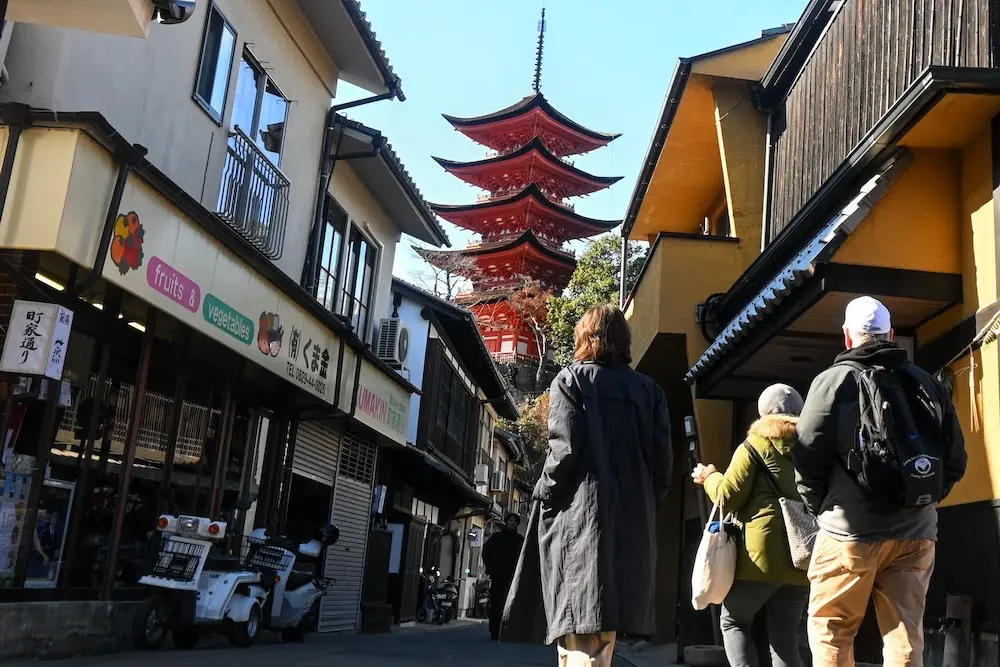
36	339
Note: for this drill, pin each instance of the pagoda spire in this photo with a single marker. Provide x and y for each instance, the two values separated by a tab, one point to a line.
537	84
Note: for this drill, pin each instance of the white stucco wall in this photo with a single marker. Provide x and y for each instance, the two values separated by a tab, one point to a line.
420	330
145	87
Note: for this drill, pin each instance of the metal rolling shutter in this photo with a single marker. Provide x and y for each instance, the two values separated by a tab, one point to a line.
345	561
316	451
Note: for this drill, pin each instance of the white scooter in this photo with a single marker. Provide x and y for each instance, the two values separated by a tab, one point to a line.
293	606
194	588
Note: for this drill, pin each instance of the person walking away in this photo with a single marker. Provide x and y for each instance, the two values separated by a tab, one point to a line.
500	559
760	470
593	519
879	445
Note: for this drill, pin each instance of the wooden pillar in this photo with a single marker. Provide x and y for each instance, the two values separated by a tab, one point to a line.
131	440
202	437
221	447
75	517
265	499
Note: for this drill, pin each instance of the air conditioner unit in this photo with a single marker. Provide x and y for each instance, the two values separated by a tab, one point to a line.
498	482
393	345
481	474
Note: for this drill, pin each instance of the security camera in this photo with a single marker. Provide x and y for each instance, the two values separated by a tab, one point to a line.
172	12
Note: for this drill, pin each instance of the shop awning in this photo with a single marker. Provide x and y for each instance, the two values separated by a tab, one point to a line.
441	472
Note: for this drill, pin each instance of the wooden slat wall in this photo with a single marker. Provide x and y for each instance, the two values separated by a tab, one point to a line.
871	53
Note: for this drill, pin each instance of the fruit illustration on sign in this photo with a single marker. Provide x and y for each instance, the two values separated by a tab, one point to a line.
126	242
270	334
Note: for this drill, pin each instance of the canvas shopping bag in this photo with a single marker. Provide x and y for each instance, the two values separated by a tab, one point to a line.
714	564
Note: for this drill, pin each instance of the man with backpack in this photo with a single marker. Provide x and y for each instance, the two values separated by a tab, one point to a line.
879	445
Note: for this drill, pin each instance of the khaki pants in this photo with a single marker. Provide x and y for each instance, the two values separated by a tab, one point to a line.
595	650
844	575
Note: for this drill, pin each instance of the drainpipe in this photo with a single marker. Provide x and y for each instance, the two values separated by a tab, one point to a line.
357	383
329	159
17	117
622	294
126	164
768	170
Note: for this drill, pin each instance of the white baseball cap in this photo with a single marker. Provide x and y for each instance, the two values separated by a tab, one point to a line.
867	315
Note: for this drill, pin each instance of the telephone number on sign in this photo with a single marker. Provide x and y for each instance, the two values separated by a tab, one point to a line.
304	378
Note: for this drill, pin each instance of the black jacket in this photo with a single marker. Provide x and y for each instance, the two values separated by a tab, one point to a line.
591	547
827	430
500	555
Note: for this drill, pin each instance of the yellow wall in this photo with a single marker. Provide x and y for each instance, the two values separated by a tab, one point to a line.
916	226
977	260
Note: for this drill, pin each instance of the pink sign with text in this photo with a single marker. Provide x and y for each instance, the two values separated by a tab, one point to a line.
173	284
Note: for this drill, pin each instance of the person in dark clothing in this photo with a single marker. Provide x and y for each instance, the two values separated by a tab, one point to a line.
500	558
587	572
865	549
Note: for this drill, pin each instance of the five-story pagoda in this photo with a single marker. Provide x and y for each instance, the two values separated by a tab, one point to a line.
524	220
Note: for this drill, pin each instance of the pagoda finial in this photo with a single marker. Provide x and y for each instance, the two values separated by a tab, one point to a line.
537	85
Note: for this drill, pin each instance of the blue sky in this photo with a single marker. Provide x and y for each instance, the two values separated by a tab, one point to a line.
607	65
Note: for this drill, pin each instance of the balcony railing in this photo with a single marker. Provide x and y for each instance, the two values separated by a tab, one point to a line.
254	195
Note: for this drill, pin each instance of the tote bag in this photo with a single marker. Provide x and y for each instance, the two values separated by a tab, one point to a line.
714	564
800	525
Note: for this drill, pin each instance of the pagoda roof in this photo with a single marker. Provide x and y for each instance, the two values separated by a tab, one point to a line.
532	152
527	111
482	216
525	240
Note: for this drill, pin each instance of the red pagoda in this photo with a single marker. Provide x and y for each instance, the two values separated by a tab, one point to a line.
524	220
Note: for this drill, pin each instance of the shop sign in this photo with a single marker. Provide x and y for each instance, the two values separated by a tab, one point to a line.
382	404
36	339
228	319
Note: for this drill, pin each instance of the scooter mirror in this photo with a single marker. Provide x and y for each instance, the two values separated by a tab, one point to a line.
243	504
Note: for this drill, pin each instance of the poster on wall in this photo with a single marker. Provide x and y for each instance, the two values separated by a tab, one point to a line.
14	487
36	339
46	554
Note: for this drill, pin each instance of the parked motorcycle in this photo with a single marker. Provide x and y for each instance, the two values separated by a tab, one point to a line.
448	590
430	609
481	605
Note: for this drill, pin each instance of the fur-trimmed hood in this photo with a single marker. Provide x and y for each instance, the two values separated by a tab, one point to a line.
779	430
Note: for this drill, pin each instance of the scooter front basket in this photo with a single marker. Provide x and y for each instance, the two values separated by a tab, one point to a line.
178	561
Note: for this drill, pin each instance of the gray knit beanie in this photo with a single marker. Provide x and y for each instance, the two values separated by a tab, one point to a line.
779	399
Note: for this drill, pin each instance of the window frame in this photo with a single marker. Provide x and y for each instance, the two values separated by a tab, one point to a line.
334	273
261	73
349	282
206	105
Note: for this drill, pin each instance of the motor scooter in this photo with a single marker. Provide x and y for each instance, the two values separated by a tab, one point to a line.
295	567
481	607
430	608
449	599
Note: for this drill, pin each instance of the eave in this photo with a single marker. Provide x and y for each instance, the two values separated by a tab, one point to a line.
382	172
460	214
533	150
526	106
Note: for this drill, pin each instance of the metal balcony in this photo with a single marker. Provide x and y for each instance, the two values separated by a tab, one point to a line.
254	195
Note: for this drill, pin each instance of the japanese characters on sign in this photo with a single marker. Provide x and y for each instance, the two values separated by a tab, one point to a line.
309	362
37	339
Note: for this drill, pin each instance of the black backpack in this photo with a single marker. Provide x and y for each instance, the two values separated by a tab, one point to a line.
900	448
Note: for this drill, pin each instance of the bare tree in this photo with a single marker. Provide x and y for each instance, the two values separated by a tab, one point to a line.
526	303
450	274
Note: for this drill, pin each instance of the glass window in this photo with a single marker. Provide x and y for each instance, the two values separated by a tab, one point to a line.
259	110
217	53
357	293
329	261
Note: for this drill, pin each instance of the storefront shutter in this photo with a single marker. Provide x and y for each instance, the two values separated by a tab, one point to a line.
345	561
316	449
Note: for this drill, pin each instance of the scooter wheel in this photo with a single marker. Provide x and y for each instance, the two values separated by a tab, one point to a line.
186	638
421	615
245	634
149	630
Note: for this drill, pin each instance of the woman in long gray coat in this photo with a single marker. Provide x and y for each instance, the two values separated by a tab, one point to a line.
590	551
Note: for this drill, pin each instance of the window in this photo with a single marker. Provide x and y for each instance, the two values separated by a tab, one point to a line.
335	222
217	52
358	280
506	345
259	110
454	412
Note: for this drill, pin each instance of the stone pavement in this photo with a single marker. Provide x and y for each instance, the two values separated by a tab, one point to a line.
458	643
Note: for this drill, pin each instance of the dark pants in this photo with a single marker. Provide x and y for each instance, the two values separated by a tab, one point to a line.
784	606
498	598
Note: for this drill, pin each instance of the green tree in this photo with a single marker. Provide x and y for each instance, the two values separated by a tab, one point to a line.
532	427
594	282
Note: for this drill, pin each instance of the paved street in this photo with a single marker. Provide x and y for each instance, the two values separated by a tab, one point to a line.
456	644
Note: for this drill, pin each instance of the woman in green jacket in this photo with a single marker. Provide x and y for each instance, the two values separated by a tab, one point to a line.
765	576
